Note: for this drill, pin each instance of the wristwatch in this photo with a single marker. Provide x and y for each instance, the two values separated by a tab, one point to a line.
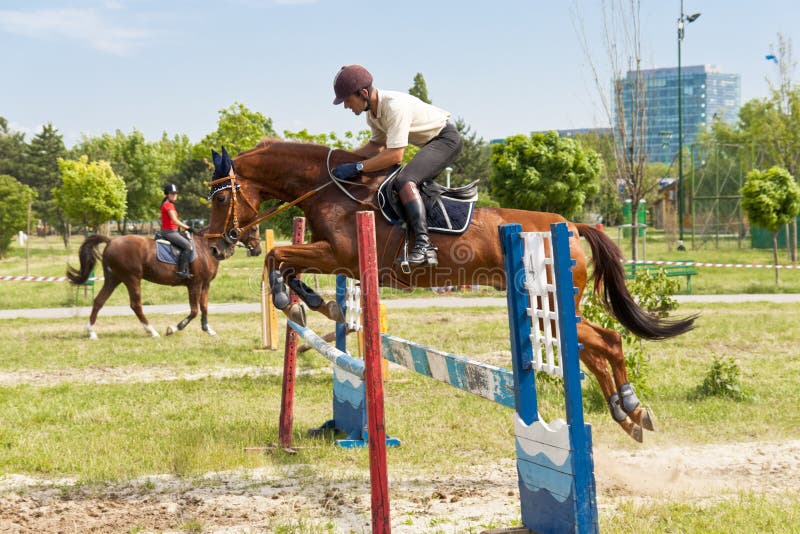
360	166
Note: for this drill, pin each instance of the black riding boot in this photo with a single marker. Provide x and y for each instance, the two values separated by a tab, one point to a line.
183	264
423	251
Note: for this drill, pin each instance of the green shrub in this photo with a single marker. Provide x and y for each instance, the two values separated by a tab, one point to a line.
723	380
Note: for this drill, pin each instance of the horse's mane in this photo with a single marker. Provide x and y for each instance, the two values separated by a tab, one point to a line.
267	141
301	148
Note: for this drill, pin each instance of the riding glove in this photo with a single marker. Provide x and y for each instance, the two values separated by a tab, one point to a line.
346	171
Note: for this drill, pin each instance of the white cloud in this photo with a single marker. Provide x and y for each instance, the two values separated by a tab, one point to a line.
85	25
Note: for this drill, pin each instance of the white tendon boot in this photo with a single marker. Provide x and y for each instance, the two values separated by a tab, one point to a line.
92	333
150	330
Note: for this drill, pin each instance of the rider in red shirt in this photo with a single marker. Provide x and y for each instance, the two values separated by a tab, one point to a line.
170	226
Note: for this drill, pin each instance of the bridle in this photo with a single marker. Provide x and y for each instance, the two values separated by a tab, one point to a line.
232	234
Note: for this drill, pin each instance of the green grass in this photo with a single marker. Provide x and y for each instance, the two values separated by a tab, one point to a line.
66	428
120	431
748	514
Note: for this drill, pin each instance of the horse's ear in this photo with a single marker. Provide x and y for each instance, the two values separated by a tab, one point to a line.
217	159
227	162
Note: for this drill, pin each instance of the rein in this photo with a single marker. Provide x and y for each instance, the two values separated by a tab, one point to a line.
235	231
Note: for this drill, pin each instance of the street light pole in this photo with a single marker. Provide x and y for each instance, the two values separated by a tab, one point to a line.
681	19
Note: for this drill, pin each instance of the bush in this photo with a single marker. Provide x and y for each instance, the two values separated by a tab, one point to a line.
723	380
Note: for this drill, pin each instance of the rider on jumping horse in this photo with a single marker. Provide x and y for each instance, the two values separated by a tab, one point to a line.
397	120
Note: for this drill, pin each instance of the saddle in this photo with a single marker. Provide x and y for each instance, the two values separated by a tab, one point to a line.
166	252
449	210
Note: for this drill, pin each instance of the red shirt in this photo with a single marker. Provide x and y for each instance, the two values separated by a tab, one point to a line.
166	221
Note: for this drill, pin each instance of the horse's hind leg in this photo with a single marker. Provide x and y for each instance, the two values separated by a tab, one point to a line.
194	298
625	395
109	285
134	286
602	347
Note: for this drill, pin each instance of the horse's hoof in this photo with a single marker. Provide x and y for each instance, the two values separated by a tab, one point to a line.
297	313
169	331
647	419
637	433
334	312
210	331
92	336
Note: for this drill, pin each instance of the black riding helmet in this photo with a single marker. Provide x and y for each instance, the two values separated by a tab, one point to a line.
170	188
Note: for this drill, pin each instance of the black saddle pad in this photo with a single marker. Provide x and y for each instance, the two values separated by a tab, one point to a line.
449	210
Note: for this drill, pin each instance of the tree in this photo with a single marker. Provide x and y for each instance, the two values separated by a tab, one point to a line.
771	199
544	172
785	124
12	149
15	197
90	193
40	171
238	129
625	106
475	160
607	201
141	165
420	88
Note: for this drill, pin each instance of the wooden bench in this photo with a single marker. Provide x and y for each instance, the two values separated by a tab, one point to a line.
669	270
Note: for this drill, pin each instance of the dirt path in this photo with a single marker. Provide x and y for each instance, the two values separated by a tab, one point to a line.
261	500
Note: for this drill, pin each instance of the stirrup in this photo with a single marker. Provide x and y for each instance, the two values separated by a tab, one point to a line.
427	253
184	274
404	265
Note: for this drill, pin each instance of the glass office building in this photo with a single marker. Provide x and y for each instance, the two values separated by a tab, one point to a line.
707	93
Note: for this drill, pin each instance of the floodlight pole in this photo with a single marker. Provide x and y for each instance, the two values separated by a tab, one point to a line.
690	18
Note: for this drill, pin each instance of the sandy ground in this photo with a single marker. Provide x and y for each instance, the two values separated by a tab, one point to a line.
269	499
264	499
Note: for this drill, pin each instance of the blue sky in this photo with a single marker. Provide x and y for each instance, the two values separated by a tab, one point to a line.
505	67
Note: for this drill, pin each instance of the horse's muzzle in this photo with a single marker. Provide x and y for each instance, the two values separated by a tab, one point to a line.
220	253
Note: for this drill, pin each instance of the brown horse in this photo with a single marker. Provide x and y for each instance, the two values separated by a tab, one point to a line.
299	174
130	258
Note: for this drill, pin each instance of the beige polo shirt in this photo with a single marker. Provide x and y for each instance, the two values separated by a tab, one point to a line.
403	119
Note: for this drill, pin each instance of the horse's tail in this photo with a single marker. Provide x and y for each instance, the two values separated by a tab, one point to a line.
609	283
88	256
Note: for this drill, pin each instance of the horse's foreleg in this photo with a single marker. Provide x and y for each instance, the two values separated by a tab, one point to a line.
204	311
194	297
329	309
599	349
285	263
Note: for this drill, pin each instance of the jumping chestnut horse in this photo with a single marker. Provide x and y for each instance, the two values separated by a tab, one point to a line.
130	258
299	174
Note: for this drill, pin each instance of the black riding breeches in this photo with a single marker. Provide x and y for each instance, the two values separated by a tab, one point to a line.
432	158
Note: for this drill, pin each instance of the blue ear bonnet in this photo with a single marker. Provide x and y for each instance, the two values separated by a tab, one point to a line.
222	169
222	163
